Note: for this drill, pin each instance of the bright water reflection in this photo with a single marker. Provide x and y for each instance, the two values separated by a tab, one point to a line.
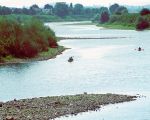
101	66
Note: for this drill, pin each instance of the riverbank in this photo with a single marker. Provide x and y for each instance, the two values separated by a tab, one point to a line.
87	38
116	26
49	18
45	108
51	53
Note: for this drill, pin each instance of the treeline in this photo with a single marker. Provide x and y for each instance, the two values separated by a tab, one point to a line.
60	9
25	39
117	14
105	13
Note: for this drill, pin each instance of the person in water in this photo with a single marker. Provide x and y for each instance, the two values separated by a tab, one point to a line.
70	59
139	49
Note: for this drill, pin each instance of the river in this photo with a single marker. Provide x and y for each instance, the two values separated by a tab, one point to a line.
100	66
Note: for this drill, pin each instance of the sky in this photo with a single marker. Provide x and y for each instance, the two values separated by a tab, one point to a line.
27	3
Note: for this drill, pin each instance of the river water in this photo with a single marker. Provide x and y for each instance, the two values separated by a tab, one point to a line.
100	66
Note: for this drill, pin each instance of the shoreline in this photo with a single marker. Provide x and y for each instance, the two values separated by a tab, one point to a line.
72	38
40	57
45	108
116	26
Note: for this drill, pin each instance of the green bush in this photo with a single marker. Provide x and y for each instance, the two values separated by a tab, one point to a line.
142	23
24	39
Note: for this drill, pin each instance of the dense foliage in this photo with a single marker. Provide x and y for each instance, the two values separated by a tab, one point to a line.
25	39
143	23
113	8
118	16
145	11
60	9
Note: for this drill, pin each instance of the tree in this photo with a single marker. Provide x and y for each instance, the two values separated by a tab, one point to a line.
103	9
61	9
25	11
17	11
34	6
96	18
71	8
113	8
78	9
88	12
48	9
48	6
5	10
142	24
104	17
34	9
121	10
145	11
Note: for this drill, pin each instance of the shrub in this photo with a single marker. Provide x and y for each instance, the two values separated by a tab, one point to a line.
142	25
145	11
104	17
25	39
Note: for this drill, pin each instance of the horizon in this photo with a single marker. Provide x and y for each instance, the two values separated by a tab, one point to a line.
41	3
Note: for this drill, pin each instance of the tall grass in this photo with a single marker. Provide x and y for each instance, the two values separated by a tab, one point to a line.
24	39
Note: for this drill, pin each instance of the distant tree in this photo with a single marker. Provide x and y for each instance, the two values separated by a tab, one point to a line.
5	10
96	18
17	11
88	11
48	9
142	24
121	10
104	17
95	11
71	8
48	6
34	6
145	11
71	5
103	9
78	9
113	8
34	9
61	9
25	11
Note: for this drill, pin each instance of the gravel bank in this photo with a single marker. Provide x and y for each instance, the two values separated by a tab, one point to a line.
46	108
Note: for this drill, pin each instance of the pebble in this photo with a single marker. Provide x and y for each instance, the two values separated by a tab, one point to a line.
1	104
10	118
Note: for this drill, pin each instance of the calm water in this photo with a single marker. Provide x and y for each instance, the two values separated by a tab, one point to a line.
100	66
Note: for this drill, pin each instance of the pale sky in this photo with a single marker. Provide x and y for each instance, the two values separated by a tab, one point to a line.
27	3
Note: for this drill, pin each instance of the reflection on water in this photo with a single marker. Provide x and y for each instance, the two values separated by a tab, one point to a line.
100	66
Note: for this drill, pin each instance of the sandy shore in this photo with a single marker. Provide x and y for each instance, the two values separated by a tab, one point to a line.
46	108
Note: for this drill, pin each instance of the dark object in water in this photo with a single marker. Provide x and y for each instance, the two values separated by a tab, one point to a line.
70	59
139	49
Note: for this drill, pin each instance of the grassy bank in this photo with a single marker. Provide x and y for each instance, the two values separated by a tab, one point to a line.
117	26
26	40
52	107
127	22
49	18
51	53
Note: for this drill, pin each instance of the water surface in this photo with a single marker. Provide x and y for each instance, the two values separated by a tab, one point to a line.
100	66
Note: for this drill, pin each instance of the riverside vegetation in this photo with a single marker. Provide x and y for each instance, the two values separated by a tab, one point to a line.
52	13
118	17
26	39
